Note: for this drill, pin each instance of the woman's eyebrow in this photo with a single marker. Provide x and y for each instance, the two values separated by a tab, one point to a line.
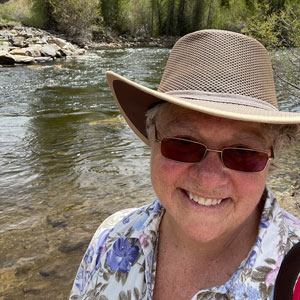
249	138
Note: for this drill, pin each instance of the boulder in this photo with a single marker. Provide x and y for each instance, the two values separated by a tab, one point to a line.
5	46
79	52
18	41
42	40
18	51
34	50
20	59
59	42
42	59
49	50
6	58
69	47
66	52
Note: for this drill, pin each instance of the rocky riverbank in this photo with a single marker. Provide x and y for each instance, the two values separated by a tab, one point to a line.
110	40
27	45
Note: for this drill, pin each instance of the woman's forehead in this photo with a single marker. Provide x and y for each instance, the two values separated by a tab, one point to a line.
175	119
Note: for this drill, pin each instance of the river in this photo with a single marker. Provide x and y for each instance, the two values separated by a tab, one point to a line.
68	160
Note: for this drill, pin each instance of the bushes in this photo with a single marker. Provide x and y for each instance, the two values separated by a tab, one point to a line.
75	17
275	28
40	13
280	30
15	10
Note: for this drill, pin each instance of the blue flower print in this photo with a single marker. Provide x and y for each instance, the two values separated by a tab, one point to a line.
241	291
122	255
88	257
82	278
252	259
126	220
264	222
102	238
252	294
140	223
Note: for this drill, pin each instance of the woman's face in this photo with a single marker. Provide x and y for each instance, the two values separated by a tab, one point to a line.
206	200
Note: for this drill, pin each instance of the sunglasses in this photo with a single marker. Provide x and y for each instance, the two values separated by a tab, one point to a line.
234	158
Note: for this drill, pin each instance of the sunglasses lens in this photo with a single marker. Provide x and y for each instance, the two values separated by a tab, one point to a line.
244	160
182	150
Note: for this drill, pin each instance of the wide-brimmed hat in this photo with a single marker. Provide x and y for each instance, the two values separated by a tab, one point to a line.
217	72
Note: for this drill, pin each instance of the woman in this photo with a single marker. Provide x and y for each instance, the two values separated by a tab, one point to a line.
216	231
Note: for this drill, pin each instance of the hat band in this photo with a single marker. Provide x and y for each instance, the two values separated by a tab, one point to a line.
222	98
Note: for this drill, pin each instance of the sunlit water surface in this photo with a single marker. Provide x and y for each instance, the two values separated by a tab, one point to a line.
68	160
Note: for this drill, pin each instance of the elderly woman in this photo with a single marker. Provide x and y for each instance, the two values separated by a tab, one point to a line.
216	231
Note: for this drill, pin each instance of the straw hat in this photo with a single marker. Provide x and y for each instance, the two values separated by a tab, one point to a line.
217	72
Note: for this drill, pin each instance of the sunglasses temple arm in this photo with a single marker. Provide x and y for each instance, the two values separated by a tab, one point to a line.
272	153
156	137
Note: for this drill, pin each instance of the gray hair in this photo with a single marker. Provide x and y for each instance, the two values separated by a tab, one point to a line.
283	135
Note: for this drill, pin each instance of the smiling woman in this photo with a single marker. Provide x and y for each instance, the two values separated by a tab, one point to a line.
216	230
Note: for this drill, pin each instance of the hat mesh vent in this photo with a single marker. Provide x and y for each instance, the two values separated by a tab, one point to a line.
220	62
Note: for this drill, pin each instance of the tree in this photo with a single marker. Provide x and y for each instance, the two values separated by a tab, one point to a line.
75	17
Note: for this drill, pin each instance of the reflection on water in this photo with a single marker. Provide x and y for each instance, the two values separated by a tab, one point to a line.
68	160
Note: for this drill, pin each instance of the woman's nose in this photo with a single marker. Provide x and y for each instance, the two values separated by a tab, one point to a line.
210	171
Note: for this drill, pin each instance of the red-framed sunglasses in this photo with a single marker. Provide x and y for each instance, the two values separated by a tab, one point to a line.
235	158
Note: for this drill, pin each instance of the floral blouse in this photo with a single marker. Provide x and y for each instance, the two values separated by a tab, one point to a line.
120	262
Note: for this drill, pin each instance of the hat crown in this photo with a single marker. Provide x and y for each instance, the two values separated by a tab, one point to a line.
220	62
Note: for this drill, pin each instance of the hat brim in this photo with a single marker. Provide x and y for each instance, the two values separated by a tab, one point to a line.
134	100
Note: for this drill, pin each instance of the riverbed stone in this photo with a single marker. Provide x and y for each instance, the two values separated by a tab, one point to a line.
18	51
68	246
43	59
42	40
20	59
34	51
49	50
18	41
6	58
69	47
4	46
79	52
59	42
66	52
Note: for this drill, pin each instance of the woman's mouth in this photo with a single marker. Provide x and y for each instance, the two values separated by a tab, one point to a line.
203	201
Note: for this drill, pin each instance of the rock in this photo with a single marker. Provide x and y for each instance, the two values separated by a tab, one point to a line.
34	51
49	50
18	51
42	59
42	40
66	52
79	52
59	42
4	46
18	41
70	245
47	273
20	59
6	58
69	47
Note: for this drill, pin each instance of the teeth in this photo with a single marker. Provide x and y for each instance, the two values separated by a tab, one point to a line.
204	201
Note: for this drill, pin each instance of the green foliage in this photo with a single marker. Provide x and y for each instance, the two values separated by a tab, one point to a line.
275	28
264	26
280	30
40	13
15	10
75	17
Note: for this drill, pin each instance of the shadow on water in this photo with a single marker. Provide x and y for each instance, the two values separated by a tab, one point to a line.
68	160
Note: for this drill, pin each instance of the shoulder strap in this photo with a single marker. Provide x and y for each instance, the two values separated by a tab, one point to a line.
288	274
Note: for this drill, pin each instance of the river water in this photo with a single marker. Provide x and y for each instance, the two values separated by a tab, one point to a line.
68	160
